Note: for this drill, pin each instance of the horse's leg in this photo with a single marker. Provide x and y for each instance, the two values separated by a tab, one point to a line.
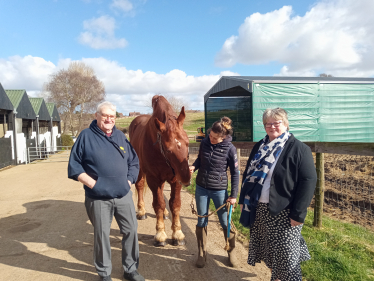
141	215
159	206
175	206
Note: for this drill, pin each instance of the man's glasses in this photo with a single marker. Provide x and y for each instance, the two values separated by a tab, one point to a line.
275	124
105	116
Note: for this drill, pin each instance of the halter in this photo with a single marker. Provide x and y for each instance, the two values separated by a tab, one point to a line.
159	141
162	151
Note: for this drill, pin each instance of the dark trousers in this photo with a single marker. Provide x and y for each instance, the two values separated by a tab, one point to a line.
100	213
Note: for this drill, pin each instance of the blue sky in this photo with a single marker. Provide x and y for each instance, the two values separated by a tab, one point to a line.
142	47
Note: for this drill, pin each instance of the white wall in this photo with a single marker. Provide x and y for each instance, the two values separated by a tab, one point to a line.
21	148
55	136
9	134
47	137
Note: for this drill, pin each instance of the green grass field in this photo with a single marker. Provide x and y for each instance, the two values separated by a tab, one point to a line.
124	122
190	125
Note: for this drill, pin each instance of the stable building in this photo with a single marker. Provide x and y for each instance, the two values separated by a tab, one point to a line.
42	125
320	109
6	121
56	124
25	117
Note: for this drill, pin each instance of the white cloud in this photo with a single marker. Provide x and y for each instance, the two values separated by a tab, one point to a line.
25	72
99	34
122	5
128	89
335	37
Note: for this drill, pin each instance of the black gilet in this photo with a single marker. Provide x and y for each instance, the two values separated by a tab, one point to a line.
213	164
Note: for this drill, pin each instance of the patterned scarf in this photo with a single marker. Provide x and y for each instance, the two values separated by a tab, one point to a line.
258	170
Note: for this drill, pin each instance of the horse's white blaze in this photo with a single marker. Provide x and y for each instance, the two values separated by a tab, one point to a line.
178	235
161	236
178	143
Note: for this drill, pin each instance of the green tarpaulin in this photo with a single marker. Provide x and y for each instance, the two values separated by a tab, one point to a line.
318	112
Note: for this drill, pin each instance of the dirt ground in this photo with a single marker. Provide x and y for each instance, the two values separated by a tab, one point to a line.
45	234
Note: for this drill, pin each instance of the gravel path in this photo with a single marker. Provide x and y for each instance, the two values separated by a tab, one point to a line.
45	234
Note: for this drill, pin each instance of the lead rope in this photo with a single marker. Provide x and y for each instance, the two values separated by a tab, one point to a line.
227	204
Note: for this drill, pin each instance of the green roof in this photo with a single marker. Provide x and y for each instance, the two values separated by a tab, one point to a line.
50	107
15	96
36	104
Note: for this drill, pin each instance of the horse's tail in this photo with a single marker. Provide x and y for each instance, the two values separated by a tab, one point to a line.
145	186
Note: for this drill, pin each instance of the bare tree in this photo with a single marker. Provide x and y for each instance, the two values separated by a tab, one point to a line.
76	91
91	93
176	102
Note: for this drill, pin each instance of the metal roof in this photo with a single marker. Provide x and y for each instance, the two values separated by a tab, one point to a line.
52	109
5	102
36	104
15	96
40	108
245	82
21	104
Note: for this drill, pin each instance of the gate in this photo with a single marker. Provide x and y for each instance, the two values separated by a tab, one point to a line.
6	152
43	154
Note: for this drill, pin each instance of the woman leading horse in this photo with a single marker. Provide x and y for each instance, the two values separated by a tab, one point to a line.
216	154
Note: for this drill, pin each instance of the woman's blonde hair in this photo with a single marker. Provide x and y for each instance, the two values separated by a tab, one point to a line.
276	113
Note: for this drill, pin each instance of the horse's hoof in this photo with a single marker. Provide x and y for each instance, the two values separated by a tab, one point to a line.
166	217
160	244
176	242
143	217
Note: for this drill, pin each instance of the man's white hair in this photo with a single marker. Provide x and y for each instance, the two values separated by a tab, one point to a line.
106	104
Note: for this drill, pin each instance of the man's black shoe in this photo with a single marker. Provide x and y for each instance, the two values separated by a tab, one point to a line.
133	276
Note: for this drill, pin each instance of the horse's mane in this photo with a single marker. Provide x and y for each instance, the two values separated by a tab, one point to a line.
162	110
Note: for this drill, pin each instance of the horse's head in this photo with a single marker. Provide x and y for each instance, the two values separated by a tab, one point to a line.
174	140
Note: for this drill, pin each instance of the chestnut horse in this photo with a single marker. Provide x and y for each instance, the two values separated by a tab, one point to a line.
162	148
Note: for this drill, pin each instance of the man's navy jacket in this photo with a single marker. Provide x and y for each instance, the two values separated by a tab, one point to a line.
111	161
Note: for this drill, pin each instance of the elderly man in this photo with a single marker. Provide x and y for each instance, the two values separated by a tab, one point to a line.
105	162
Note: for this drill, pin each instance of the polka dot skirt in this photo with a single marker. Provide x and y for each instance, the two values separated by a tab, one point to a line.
280	246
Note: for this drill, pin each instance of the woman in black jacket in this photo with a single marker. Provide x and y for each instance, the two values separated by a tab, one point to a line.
216	154
278	186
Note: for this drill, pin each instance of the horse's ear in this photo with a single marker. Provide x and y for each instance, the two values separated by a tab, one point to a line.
181	116
160	126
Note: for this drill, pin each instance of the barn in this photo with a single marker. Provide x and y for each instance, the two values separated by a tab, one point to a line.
320	109
56	124
24	122
6	119
42	125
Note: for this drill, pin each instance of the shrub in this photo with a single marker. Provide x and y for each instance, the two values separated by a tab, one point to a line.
66	140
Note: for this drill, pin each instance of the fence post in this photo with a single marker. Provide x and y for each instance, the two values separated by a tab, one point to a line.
319	192
238	154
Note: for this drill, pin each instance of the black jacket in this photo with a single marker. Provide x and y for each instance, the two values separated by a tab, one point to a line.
293	182
212	163
111	161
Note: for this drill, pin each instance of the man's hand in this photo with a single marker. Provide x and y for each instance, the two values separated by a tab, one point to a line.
192	169
129	182
295	223
86	180
232	200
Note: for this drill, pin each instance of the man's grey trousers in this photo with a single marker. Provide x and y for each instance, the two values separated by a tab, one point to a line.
100	213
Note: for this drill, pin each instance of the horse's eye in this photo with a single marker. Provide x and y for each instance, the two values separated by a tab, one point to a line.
168	151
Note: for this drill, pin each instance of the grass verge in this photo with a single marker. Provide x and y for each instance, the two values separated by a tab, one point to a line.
340	251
